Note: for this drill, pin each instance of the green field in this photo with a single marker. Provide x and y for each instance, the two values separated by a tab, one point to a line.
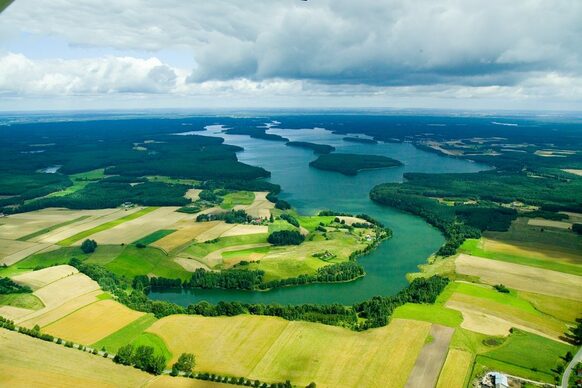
527	355
25	301
51	228
155	236
80	180
472	247
200	250
312	222
245	252
230	200
135	261
278	225
108	225
429	313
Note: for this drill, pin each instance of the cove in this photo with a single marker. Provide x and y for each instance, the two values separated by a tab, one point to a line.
310	190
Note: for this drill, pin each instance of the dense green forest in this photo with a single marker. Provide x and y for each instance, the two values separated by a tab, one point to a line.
350	164
316	148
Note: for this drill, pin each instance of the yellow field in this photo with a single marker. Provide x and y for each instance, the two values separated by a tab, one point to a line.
190	264
65	289
184	235
567	310
240	230
456	368
43	277
515	317
215	232
272	349
28	362
521	277
130	231
46	316
182	382
93	322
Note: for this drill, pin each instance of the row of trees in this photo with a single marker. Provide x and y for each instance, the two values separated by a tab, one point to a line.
232	278
7	286
142	357
231	217
290	219
340	272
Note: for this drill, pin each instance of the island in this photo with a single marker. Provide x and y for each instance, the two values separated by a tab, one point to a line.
317	148
360	140
351	164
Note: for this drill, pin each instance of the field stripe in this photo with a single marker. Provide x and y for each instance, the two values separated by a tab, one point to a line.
108	225
51	228
431	358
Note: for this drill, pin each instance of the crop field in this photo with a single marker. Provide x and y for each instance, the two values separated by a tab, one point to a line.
68	288
13	251
549	223
456	369
497	250
273	349
433	313
431	358
515	356
126	334
521	277
567	310
215	232
231	200
184	235
200	250
42	278
312	222
261	206
516	317
29	362
155	236
241	230
130	228
93	322
193	194
25	301
135	261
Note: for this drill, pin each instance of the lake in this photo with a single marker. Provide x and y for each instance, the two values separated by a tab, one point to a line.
310	190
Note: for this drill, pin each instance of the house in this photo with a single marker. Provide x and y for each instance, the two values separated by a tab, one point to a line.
500	380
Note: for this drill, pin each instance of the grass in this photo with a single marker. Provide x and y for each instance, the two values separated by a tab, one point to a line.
108	225
126	334
80	181
245	252
230	200
155	236
474	247
200	250
51	228
567	310
527	355
149	339
429	313
473	342
135	261
102	255
278	225
25	301
486	292
312	222
272	349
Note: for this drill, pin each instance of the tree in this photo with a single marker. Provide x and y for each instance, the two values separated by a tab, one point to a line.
124	355
89	246
185	363
157	365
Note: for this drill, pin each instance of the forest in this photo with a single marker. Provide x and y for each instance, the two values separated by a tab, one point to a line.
350	164
316	148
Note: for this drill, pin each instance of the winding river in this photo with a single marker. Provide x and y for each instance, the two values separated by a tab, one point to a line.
310	190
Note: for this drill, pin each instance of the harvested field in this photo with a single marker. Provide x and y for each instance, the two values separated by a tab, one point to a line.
261	206
65	289
46	316
485	324
215	258
184	235
181	382
431	358
215	232
456	369
521	277
193	194
14	313
190	265
549	223
43	277
272	349
93	322
351	220
573	171
136	226
97	217
13	251
29	362
240	230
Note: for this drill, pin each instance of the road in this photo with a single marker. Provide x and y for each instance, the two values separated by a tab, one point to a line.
566	376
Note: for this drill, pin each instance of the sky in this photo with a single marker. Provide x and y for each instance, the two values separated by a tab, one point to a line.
141	54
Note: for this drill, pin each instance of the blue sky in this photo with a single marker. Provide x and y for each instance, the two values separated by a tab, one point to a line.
128	54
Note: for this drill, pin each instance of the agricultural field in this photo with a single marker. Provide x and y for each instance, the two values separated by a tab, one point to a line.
237	198
272	349
26	362
93	322
431	358
456	369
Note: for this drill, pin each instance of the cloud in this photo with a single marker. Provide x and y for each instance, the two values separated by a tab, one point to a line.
526	49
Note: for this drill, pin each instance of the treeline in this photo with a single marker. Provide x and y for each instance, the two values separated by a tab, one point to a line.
316	148
230	217
290	219
7	286
142	357
340	272
231	279
370	219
